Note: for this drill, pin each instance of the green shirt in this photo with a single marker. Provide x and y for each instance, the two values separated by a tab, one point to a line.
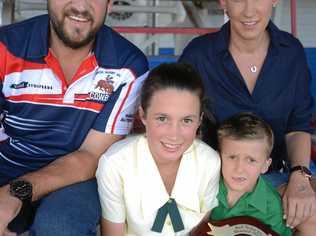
263	203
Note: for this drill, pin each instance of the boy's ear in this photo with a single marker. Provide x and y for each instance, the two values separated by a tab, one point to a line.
267	163
142	115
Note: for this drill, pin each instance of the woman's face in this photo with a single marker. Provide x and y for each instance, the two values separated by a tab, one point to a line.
248	18
171	120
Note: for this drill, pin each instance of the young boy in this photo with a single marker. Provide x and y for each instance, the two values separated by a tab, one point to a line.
245	143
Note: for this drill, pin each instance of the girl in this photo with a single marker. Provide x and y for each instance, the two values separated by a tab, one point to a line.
164	181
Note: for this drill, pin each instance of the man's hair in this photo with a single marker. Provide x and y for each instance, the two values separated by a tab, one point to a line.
246	126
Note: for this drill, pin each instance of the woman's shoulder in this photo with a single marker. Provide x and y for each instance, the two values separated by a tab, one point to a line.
285	38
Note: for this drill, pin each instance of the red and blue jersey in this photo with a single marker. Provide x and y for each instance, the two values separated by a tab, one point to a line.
43	116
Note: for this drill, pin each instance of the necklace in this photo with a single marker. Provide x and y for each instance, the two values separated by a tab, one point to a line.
253	69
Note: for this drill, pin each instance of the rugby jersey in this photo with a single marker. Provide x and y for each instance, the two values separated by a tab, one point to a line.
43	116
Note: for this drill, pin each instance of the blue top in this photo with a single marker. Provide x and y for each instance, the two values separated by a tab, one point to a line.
281	95
44	116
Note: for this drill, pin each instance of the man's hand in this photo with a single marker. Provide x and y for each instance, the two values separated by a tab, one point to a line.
9	208
299	200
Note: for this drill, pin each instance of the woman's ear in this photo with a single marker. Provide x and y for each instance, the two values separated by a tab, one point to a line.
222	3
142	115
274	2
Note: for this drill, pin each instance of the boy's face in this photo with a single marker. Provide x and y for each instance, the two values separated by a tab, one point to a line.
242	163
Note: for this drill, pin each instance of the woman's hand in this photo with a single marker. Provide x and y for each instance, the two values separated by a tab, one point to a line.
299	200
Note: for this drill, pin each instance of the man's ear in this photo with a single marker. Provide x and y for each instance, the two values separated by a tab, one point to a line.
267	163
142	115
109	6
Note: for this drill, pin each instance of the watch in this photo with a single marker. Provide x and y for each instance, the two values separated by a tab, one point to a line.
21	189
304	171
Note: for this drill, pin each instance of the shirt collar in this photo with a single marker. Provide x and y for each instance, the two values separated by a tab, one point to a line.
257	198
154	194
39	43
222	41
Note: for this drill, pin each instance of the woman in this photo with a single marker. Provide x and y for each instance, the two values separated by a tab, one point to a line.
250	65
165	181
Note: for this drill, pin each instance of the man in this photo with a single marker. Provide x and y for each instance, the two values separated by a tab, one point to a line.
69	90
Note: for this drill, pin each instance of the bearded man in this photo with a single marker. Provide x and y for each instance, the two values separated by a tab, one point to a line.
57	119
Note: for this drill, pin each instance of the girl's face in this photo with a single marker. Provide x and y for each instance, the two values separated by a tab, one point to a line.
171	120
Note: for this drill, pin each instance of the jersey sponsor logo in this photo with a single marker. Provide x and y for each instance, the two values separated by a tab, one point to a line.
129	118
104	86
102	90
25	84
20	85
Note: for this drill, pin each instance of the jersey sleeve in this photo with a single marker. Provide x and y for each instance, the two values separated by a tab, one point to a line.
118	114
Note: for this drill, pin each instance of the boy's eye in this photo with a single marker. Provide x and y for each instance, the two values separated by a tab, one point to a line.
252	160
187	121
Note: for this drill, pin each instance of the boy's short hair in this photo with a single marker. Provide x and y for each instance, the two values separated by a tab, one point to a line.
246	126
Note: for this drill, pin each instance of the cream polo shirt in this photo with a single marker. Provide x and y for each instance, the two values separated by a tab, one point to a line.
131	189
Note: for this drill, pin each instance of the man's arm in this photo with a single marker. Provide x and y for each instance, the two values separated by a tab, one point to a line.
72	168
299	200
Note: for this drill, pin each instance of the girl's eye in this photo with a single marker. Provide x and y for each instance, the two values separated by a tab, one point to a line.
232	157
161	118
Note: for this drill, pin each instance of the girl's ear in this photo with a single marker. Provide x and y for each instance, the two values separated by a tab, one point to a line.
142	115
201	118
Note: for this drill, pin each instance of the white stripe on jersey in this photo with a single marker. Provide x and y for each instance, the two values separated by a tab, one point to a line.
129	106
12	162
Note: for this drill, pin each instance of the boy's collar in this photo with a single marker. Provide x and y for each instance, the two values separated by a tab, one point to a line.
256	198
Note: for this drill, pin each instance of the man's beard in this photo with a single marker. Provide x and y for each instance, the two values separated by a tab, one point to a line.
58	27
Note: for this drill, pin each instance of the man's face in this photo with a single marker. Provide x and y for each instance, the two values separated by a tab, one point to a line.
76	22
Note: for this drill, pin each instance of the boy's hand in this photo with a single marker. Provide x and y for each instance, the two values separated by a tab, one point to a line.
299	200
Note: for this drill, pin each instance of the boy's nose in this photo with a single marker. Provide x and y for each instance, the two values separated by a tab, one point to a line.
239	166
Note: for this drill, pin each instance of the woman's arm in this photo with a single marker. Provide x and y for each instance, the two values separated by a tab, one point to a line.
109	228
299	199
